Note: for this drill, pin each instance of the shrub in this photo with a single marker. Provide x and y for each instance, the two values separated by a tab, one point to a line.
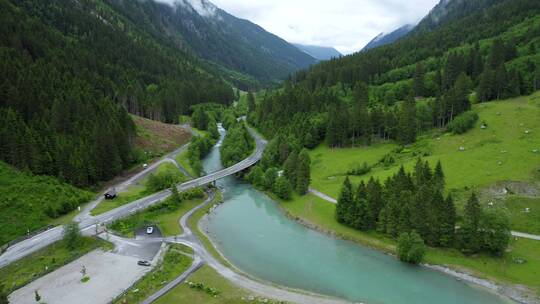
463	122
411	248
282	188
360	170
72	235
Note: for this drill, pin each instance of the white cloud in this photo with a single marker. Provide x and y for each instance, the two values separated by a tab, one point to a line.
346	25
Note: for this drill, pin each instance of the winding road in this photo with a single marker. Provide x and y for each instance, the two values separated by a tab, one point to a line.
89	225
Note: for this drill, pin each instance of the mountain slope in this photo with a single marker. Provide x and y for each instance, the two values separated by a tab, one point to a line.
384	39
447	10
71	70
214	35
319	52
492	50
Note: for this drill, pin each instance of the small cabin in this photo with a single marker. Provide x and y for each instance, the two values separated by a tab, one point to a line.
111	194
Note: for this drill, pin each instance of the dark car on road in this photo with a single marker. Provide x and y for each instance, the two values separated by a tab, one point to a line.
143	263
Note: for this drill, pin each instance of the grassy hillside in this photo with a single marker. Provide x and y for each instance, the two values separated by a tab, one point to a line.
157	138
502	151
30	202
503	155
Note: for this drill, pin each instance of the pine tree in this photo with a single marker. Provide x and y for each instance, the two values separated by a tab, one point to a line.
290	167
420	210
344	201
497	54
303	175
438	177
250	102
282	188
405	212
419	80
407	122
448	222
374	202
470	230
360	117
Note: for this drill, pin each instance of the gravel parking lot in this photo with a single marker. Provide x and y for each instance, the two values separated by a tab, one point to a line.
109	273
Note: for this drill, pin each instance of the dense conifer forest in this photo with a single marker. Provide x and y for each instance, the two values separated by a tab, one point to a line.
488	51
69	79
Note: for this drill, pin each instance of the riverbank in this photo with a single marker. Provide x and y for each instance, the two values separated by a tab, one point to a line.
501	275
245	280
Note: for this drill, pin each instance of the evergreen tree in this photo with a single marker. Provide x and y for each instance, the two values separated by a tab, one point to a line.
419	80
282	188
470	230
487	85
407	122
438	177
303	175
212	128
360	117
290	167
344	202
447	221
374	202
256	176
269	178
250	102
497	54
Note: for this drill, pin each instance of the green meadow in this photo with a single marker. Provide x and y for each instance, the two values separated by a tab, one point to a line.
503	151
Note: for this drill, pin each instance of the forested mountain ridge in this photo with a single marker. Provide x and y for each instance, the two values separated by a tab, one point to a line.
70	70
384	39
491	51
212	34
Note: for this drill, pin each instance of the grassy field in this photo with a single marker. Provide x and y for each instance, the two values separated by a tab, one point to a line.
501	152
183	294
320	215
504	151
131	194
46	260
136	191
156	138
183	160
165	219
29	202
519	219
173	265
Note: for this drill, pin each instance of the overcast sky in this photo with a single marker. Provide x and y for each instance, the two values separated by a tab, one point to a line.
346	25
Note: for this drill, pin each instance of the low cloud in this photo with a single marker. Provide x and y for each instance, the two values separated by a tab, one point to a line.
346	25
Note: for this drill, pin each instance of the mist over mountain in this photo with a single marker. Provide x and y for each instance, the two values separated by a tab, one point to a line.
384	39
231	43
319	52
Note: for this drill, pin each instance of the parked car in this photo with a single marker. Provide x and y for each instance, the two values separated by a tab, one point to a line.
143	263
150	230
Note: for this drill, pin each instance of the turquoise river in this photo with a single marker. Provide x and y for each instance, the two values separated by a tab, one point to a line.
253	233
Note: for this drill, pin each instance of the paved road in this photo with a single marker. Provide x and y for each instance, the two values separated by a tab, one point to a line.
514	233
170	157
88	223
202	256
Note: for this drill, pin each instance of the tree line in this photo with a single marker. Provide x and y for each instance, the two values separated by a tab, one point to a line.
408	203
364	97
69	80
284	168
